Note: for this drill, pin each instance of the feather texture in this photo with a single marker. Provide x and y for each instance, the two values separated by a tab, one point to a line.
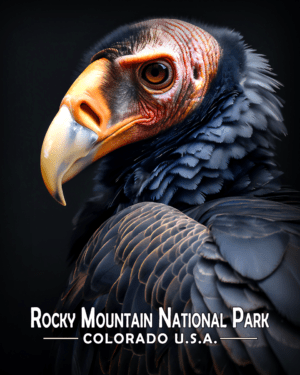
194	219
172	260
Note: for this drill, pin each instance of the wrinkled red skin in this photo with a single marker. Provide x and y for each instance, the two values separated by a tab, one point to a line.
194	56
129	110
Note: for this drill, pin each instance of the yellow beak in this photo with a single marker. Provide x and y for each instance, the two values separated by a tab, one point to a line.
82	131
66	150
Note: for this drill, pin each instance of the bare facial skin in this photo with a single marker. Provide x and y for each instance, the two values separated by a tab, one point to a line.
131	97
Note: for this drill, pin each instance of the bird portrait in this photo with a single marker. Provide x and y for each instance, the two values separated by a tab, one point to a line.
188	217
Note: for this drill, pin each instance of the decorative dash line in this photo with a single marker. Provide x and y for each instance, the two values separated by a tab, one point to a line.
60	338
238	338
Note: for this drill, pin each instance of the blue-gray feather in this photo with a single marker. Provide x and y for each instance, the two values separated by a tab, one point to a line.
233	242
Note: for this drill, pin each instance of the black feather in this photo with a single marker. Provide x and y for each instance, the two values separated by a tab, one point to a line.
194	219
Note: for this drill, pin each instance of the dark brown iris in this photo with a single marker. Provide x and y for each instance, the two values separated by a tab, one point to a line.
157	75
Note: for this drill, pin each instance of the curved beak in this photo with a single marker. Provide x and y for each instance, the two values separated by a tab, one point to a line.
67	149
82	131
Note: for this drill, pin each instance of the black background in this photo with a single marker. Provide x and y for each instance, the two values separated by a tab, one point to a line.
41	46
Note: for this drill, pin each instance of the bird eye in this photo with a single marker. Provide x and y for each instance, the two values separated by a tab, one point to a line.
157	75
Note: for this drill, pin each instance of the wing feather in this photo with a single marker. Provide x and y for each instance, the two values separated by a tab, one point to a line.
210	259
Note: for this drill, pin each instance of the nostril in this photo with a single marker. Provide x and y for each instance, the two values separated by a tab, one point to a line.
195	73
90	113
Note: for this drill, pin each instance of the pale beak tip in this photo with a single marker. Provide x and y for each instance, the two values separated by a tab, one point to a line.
62	203
59	197
68	148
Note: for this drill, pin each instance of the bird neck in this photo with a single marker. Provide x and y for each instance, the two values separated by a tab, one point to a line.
204	158
224	148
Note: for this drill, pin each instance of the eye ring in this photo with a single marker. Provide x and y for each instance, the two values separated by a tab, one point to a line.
156	75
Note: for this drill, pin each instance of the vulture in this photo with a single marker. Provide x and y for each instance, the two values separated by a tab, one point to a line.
189	233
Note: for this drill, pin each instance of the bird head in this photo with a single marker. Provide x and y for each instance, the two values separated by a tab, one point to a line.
133	90
168	77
